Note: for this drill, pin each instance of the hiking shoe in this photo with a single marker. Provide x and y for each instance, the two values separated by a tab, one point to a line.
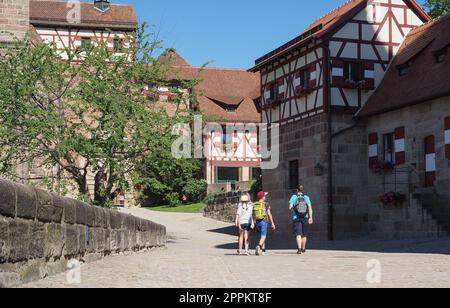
258	250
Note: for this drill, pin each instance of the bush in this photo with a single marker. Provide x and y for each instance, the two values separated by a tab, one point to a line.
195	189
172	199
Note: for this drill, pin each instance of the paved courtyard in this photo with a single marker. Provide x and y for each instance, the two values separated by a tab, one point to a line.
202	253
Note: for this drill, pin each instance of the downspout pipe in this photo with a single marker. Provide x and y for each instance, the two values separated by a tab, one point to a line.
327	66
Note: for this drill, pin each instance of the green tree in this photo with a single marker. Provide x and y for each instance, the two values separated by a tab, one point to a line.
95	119
437	8
167	179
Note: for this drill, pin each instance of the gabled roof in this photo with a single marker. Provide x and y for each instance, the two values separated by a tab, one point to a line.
54	13
425	80
172	58
328	24
227	95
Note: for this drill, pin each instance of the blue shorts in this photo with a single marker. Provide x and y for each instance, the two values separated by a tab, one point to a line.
263	227
246	227
301	227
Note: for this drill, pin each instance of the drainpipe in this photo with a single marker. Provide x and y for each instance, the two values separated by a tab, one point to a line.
327	95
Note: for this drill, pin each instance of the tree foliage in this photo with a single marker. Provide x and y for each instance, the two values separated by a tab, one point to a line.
93	120
437	8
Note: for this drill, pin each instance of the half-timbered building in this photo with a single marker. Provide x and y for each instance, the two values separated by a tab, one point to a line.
71	26
228	100
312	87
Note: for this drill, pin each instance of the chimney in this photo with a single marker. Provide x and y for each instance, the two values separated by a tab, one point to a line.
14	19
102	5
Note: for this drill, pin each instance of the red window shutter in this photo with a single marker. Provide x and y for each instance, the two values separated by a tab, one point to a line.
430	161
369	75
373	150
447	137
338	73
400	144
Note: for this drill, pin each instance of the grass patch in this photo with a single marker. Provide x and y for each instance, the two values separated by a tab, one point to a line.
189	208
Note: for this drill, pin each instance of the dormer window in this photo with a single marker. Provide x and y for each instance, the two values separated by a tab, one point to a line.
440	55
403	69
102	5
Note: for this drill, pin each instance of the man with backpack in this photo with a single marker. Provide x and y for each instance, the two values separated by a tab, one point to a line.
262	215
302	216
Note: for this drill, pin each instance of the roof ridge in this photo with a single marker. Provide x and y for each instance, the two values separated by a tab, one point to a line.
219	69
433	22
332	11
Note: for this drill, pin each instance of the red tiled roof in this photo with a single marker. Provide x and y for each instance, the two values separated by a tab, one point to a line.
54	13
425	80
228	95
171	57
326	24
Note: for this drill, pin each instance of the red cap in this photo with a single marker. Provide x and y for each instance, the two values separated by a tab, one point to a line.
261	195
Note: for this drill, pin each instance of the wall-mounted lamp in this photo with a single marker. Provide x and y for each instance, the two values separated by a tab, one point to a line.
319	170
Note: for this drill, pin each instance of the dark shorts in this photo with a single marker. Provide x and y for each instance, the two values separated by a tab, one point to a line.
301	227
246	227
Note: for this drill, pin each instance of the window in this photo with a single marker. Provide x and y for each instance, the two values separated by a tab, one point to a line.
226	137
273	91
118	44
293	174
389	148
403	70
86	43
354	71
228	175
440	55
305	79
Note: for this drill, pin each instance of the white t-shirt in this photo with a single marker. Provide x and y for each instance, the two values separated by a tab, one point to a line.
245	212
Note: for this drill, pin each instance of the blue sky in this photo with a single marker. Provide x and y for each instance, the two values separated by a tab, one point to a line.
231	33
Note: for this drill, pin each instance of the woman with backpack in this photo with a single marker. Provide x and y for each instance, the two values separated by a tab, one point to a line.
262	216
302	216
244	222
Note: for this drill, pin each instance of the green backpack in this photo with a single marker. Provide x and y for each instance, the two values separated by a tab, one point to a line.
259	210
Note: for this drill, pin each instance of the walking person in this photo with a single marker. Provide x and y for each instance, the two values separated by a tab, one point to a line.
263	216
302	216
244	223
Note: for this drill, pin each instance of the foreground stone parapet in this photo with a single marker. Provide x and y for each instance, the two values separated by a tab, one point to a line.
41	231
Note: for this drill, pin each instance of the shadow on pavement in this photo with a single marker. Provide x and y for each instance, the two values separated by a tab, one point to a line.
277	242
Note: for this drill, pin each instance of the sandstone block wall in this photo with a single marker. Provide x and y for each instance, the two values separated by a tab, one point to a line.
40	232
14	19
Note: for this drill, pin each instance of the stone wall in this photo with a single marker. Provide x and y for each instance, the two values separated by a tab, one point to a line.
307	142
223	207
40	232
14	19
349	148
